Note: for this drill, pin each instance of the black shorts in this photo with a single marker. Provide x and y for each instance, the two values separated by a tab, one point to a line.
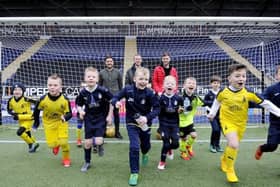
169	132
273	134
96	129
184	131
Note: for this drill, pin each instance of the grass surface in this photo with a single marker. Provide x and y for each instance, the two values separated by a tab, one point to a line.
20	168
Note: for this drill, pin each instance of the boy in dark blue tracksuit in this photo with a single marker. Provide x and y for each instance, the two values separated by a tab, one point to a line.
141	107
209	98
170	104
272	93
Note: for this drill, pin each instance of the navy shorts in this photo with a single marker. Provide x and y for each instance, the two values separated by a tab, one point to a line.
169	132
273	134
96	129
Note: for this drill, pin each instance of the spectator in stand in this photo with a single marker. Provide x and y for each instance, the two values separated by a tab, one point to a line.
111	78
161	71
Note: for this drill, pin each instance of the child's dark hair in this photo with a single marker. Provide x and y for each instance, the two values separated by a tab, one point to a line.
165	54
108	56
235	67
215	78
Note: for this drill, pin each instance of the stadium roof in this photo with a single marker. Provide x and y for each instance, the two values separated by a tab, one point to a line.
252	8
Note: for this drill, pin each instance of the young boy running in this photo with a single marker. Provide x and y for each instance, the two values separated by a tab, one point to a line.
20	108
187	130
141	107
56	112
170	104
93	98
209	98
272	93
233	102
80	122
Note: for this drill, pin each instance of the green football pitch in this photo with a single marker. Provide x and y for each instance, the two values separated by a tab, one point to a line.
20	168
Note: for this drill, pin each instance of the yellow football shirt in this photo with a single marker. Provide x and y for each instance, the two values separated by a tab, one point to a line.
234	106
53	110
22	107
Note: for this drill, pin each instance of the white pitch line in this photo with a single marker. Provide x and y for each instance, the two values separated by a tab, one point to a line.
126	141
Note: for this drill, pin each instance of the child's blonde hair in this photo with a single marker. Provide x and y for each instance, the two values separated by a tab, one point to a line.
55	76
92	69
189	78
145	71
169	78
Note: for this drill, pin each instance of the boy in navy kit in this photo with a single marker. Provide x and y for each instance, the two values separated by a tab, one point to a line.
272	93
79	122
209	98
141	107
170	105
93	98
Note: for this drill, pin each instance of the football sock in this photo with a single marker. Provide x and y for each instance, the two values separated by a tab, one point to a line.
26	138
230	157
78	133
65	151
183	145
87	155
190	141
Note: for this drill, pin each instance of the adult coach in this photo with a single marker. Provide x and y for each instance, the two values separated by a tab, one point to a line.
129	75
161	71
111	78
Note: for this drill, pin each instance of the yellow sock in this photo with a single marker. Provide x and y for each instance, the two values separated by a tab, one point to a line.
65	147
183	145
65	151
33	139
26	138
190	142
230	158
78	133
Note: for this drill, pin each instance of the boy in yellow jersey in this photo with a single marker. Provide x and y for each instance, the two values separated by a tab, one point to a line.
56	112
233	102
186	126
80	122
20	108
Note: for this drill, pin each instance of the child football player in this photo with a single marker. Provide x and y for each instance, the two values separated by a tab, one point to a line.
187	130
170	104
141	107
233	102
79	122
56	112
273	137
20	108
209	98
93	98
